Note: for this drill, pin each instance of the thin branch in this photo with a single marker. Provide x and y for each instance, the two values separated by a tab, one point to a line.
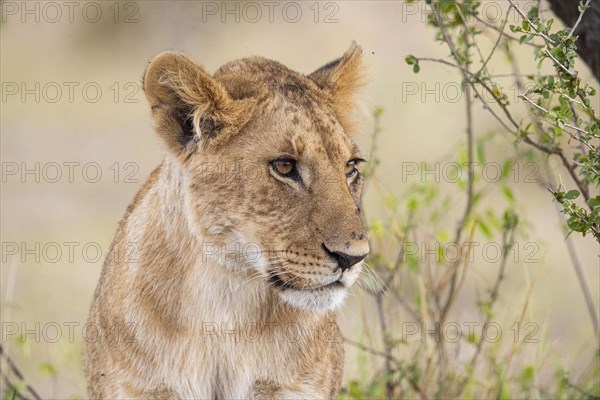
405	304
399	258
399	365
18	373
581	391
568	71
574	100
496	116
495	45
467	32
515	67
463	276
542	34
581	186
387	345
583	281
507	243
469	131
539	10
545	37
466	73
581	278
484	85
517	344
578	129
10	385
506	35
585	7
374	136
372	351
509	75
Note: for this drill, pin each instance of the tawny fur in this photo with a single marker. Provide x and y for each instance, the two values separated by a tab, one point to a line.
218	284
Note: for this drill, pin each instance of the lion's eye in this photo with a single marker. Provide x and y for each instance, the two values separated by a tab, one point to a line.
285	168
351	169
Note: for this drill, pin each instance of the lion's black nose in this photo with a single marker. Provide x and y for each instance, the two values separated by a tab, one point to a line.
344	260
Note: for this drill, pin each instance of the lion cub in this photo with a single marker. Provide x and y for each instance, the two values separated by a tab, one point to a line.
226	268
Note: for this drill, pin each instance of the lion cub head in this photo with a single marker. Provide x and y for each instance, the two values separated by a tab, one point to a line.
271	173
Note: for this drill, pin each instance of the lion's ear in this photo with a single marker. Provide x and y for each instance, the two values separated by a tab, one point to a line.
342	78
187	103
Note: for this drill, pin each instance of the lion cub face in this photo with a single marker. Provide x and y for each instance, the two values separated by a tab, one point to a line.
272	176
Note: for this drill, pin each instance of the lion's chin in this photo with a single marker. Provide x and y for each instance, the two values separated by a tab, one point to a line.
322	299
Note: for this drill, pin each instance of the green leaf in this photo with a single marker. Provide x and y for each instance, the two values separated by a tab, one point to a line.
484	228
442	236
505	393
412	204
511	219
23	346
390	201
378	111
377	228
412	261
9	392
528	373
507	167
575	224
508	193
572	194
410	59
480	152
48	369
532	13
522	134
416	68
594	202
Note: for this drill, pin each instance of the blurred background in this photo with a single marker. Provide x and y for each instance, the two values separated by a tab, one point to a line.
77	143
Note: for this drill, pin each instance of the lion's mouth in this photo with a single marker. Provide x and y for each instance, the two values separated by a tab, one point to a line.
279	283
